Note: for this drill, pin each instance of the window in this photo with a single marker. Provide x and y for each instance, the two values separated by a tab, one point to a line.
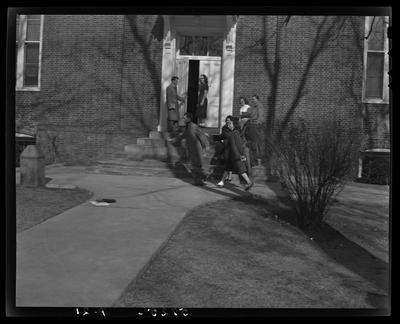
200	45
28	51
376	60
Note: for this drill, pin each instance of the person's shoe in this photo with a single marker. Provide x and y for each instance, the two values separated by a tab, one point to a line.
228	179
220	184
248	186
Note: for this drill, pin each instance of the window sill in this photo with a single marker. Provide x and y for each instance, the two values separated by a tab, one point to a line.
375	101
28	89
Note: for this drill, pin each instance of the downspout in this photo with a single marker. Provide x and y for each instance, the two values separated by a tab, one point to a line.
122	72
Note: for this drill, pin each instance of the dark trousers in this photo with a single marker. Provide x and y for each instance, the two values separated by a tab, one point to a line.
253	139
172	126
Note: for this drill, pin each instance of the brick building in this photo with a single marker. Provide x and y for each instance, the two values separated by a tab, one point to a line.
87	85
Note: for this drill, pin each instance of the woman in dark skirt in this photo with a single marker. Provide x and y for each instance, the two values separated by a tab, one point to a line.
234	155
201	112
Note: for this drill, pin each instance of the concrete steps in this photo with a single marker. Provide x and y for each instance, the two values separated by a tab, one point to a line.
155	155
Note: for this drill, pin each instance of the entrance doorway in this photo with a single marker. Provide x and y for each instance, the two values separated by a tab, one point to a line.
195	45
193	87
188	70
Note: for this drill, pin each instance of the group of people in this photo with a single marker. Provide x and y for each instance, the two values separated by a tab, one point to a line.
174	101
238	145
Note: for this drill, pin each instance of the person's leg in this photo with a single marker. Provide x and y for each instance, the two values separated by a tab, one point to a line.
248	162
249	183
197	177
169	125
222	182
246	177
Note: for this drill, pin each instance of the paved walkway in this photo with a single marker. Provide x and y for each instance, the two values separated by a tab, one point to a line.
86	256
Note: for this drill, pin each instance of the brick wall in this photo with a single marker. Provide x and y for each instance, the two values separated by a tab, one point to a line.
99	77
100	82
321	56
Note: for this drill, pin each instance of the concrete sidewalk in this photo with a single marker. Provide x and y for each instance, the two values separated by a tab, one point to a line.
86	256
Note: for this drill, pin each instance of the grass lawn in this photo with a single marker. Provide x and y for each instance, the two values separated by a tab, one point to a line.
248	254
35	205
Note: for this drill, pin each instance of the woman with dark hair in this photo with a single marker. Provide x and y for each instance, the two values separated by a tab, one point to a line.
244	106
219	144
234	154
201	112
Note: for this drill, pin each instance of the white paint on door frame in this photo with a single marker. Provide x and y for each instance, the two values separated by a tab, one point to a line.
170	57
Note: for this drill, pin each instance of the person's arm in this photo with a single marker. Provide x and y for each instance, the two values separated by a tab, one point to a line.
253	113
260	110
182	99
200	136
245	114
238	143
170	94
204	97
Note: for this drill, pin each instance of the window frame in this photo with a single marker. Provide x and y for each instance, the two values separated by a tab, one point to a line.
20	42
385	89
198	57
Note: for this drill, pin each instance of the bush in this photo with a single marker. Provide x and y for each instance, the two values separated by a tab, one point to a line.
312	164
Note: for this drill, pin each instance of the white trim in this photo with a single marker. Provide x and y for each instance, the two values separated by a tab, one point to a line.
202	58
40	51
385	89
170	56
228	70
19	85
203	31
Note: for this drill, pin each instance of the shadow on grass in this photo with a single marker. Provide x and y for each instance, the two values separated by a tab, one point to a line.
336	246
332	242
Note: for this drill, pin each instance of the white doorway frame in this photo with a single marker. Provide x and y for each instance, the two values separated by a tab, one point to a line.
170	56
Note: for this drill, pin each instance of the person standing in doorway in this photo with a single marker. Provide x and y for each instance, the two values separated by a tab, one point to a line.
201	111
173	102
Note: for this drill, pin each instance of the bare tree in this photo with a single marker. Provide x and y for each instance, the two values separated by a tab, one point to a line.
325	31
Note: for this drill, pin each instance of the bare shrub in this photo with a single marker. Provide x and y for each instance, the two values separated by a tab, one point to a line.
313	162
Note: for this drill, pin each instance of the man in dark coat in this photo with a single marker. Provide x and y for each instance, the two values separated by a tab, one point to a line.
172	104
195	143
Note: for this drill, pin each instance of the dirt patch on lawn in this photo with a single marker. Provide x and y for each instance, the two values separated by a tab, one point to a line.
35	205
246	253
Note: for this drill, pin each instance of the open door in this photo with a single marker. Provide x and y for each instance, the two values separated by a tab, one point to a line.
182	71
212	69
